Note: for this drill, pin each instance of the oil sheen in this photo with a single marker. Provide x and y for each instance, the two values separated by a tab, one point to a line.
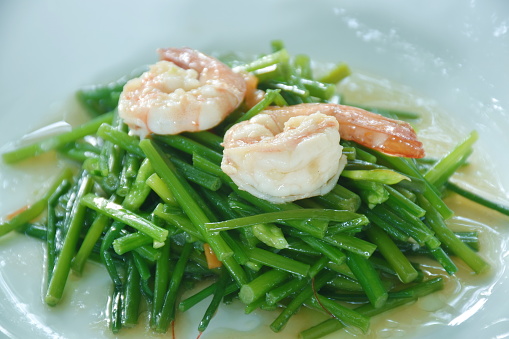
464	294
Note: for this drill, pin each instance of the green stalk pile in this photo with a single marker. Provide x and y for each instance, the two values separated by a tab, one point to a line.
146	208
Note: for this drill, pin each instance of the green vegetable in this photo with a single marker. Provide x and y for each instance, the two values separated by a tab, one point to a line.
278	261
56	141
401	265
438	174
267	100
368	278
338	73
219	293
434	220
132	295
257	288
478	199
63	262
162	217
333	325
315	214
347	316
167	313
123	215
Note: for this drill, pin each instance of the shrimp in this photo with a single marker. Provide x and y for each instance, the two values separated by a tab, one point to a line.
282	162
289	153
393	137
185	91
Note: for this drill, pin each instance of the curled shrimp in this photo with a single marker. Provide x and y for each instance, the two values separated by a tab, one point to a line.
185	91
289	153
284	161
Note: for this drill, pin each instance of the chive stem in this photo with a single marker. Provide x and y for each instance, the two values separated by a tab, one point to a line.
55	142
281	216
63	263
120	213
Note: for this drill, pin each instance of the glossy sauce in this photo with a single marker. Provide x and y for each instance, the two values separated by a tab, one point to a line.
464	294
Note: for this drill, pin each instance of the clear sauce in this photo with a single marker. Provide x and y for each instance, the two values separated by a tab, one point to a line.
465	292
86	298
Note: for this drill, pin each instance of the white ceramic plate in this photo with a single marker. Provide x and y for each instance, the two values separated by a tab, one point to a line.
453	52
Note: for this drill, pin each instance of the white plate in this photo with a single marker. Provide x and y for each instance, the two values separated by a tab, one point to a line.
454	52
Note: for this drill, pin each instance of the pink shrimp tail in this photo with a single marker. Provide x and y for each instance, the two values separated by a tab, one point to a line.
389	136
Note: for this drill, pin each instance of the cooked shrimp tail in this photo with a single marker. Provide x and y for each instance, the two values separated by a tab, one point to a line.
389	136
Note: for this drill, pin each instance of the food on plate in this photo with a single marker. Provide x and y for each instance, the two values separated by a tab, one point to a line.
185	91
288	153
282	161
249	181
